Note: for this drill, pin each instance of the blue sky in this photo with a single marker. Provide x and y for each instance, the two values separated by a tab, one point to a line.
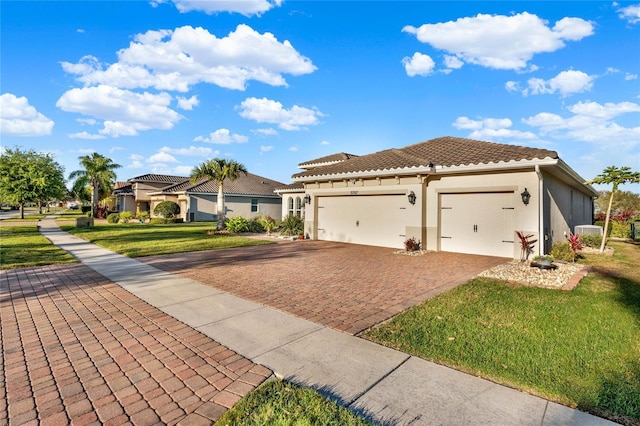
161	86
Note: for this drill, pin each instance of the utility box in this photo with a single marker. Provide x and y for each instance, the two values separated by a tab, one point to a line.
84	222
588	230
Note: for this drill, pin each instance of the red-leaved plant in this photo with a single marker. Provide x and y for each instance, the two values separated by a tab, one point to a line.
576	244
526	245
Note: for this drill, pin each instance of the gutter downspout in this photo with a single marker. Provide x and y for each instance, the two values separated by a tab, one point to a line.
542	237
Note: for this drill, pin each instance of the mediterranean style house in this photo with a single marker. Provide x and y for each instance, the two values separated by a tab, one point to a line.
248	196
452	194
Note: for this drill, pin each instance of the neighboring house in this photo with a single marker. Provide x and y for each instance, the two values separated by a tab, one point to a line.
453	194
248	196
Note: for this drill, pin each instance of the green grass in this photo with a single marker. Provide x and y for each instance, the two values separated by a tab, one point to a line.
136	240
281	403
580	348
23	247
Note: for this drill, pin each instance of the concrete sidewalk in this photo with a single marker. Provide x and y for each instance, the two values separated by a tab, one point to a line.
383	384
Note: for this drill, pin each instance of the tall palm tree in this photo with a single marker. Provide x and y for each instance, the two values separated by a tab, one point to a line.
98	173
218	170
615	176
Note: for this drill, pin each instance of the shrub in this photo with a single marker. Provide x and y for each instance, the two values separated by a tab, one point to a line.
237	224
125	217
592	240
411	244
143	216
255	226
167	209
617	229
527	243
562	251
113	218
158	220
268	223
575	244
291	225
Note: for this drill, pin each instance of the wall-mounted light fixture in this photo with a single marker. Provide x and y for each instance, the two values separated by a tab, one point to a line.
525	196
307	199
412	197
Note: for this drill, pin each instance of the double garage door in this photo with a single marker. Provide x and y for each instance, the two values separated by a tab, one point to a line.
478	223
377	220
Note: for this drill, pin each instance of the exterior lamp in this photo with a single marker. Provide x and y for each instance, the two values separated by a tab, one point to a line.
307	199
525	196
412	197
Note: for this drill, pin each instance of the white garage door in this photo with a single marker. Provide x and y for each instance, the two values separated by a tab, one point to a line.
377	220
478	223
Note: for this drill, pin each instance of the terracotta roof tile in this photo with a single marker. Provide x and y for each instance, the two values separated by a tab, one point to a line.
248	184
159	178
445	151
333	158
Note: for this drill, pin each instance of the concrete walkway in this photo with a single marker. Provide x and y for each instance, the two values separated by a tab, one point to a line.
385	385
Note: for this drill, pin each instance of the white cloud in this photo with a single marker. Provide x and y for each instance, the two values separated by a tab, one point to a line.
293	149
491	129
163	169
115	148
245	7
629	76
512	86
188	104
162	157
324	143
268	111
85	135
178	59
192	151
18	118
269	131
565	83
85	151
136	161
125	113
630	13
418	64
222	137
452	62
498	41
265	148
591	122
87	121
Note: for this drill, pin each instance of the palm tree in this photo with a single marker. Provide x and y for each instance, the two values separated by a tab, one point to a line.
98	174
616	176
218	170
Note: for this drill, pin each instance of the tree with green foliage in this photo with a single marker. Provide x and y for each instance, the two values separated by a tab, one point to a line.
219	170
97	174
624	200
30	177
167	209
615	176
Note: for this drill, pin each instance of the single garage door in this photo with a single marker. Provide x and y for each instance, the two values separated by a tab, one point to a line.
478	223
376	220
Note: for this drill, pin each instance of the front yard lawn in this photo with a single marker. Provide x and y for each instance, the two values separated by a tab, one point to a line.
23	247
281	403
136	240
580	348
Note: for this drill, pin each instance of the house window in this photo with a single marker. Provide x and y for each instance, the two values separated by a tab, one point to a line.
290	206
254	205
298	206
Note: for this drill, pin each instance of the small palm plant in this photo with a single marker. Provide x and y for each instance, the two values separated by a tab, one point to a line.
268	223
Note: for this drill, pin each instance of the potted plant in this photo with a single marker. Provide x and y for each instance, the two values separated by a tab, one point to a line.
543	260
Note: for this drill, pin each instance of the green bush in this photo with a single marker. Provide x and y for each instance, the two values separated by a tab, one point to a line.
617	229
164	220
126	216
255	226
591	240
268	223
562	251
237	224
143	216
167	209
291	225
113	218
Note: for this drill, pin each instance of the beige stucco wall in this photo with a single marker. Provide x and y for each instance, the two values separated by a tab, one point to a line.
204	207
126	203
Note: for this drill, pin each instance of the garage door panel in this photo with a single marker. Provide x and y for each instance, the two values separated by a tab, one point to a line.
477	223
366	219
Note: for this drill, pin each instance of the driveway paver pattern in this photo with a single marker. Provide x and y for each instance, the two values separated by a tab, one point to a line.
347	287
79	349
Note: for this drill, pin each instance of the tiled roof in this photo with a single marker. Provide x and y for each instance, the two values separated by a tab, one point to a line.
248	184
158	178
292	187
446	151
122	188
333	158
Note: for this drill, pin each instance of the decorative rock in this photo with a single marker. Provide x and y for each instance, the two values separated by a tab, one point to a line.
523	273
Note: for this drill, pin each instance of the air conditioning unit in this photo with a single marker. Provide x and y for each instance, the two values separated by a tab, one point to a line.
588	229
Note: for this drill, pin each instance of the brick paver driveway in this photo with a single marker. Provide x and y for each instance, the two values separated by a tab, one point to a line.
78	349
344	286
